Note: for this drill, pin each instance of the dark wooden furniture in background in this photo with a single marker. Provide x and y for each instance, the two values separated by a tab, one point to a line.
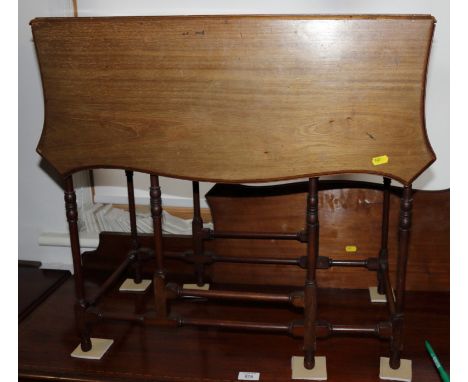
239	99
349	216
35	285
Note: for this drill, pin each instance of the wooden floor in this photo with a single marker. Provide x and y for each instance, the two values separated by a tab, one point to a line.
47	337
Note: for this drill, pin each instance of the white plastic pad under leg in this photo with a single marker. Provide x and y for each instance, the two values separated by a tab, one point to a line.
375	296
195	286
318	373
129	285
99	346
403	373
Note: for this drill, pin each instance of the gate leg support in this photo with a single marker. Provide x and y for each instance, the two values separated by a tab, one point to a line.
310	292
383	255
399	368
133	225
197	235
311	367
137	284
159	274
80	304
403	242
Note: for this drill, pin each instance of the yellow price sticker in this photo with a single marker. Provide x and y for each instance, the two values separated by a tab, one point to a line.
350	248
377	161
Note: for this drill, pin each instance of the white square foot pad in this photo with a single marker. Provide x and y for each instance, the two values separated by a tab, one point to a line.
318	373
403	373
196	287
129	285
376	297
98	349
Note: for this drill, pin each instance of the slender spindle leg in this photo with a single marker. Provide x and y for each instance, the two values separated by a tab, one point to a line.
403	242
383	255
159	275
197	232
133	225
310	295
80	304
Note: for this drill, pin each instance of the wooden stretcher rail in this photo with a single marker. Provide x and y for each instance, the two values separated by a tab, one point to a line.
293	298
259	260
147	318
295	328
323	262
211	234
116	275
372	263
389	293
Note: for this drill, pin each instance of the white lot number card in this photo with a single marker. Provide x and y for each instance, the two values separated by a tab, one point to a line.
248	376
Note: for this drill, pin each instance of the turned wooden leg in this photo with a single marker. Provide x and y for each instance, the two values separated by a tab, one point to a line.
383	255
133	226
403	241
197	235
80	304
310	292
159	283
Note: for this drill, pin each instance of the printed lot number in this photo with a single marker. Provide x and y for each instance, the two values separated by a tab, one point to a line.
248	376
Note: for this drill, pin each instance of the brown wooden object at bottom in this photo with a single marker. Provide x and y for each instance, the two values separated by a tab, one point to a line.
144	353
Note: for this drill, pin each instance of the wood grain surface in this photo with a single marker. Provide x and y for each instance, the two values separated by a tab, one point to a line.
236	98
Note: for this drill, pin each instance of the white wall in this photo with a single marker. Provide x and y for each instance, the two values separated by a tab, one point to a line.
40	198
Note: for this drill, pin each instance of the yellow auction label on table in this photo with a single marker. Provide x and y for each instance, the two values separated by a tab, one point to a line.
350	248
377	161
